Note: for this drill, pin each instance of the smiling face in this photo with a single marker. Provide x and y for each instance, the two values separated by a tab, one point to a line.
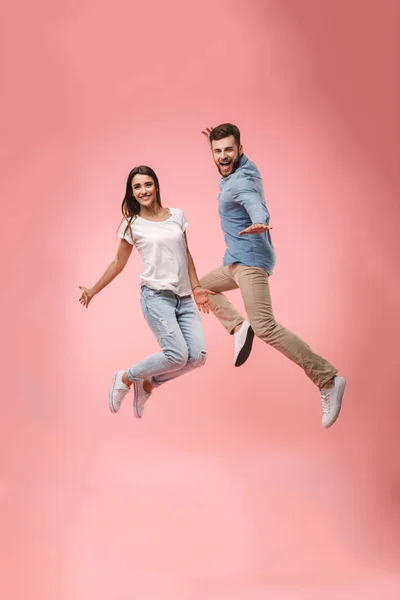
226	154
144	190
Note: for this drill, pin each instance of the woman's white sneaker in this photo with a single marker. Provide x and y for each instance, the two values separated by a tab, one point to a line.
140	398
332	401
118	391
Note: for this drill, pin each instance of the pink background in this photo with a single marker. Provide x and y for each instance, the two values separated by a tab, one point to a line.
229	488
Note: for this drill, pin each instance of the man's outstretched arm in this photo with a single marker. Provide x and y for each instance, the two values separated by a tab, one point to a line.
255	207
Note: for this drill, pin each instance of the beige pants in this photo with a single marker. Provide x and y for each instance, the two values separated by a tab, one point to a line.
254	286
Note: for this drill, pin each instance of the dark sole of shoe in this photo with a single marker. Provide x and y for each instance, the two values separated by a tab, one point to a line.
245	351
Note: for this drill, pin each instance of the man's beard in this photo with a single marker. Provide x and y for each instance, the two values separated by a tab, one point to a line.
234	164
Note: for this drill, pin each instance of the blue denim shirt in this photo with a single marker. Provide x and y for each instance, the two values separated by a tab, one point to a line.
241	203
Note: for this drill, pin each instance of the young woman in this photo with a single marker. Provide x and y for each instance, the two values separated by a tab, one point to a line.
167	282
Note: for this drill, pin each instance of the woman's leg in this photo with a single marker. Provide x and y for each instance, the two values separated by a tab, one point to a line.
189	321
159	309
162	311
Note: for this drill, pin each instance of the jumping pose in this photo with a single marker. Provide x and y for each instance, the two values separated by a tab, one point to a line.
249	262
167	283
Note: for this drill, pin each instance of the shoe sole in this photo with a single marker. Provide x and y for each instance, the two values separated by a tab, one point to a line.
135	410
245	351
341	394
110	395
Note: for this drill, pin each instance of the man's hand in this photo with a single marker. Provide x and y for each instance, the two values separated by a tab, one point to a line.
207	132
255	228
201	299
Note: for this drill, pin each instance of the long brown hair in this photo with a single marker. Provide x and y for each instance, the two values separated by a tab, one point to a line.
130	206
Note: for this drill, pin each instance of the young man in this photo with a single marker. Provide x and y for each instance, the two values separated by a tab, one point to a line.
249	262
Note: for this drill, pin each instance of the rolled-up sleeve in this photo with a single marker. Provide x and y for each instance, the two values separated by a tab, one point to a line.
125	232
249	197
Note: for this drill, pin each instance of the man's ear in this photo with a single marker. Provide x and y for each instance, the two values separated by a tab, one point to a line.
240	149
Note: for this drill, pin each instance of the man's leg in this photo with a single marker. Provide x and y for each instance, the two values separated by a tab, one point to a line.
221	280
254	285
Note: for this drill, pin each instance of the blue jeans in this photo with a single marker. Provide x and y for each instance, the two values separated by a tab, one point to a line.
176	323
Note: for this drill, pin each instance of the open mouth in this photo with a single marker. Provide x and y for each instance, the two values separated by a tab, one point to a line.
225	166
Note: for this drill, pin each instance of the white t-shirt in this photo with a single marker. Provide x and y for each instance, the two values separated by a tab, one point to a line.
162	247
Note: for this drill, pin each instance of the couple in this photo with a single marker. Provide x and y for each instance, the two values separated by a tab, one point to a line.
169	280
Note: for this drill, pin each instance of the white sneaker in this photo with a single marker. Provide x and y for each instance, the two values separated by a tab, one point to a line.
140	398
118	391
332	401
243	343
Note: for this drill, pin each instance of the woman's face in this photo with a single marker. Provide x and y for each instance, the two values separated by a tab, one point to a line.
144	190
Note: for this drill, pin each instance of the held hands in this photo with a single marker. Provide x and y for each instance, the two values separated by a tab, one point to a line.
255	228
86	296
201	299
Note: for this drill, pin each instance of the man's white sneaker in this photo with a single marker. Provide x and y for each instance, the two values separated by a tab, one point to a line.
243	343
140	398
118	391
332	401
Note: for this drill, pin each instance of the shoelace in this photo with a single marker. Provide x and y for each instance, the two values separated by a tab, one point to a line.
142	401
120	395
145	397
326	402
121	392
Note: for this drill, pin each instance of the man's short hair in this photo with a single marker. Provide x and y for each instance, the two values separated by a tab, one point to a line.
225	130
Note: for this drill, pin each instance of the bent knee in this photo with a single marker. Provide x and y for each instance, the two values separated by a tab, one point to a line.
265	329
176	358
199	360
204	282
208	282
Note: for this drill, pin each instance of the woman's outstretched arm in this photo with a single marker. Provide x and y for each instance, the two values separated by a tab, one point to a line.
114	269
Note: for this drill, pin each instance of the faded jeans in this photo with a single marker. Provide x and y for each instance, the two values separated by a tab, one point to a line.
176	323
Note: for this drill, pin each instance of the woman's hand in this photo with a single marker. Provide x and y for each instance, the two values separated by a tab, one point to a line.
87	295
255	228
201	299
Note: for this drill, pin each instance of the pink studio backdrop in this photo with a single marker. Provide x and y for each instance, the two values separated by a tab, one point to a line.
229	488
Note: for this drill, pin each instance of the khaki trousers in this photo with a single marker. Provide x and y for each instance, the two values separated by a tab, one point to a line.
254	286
